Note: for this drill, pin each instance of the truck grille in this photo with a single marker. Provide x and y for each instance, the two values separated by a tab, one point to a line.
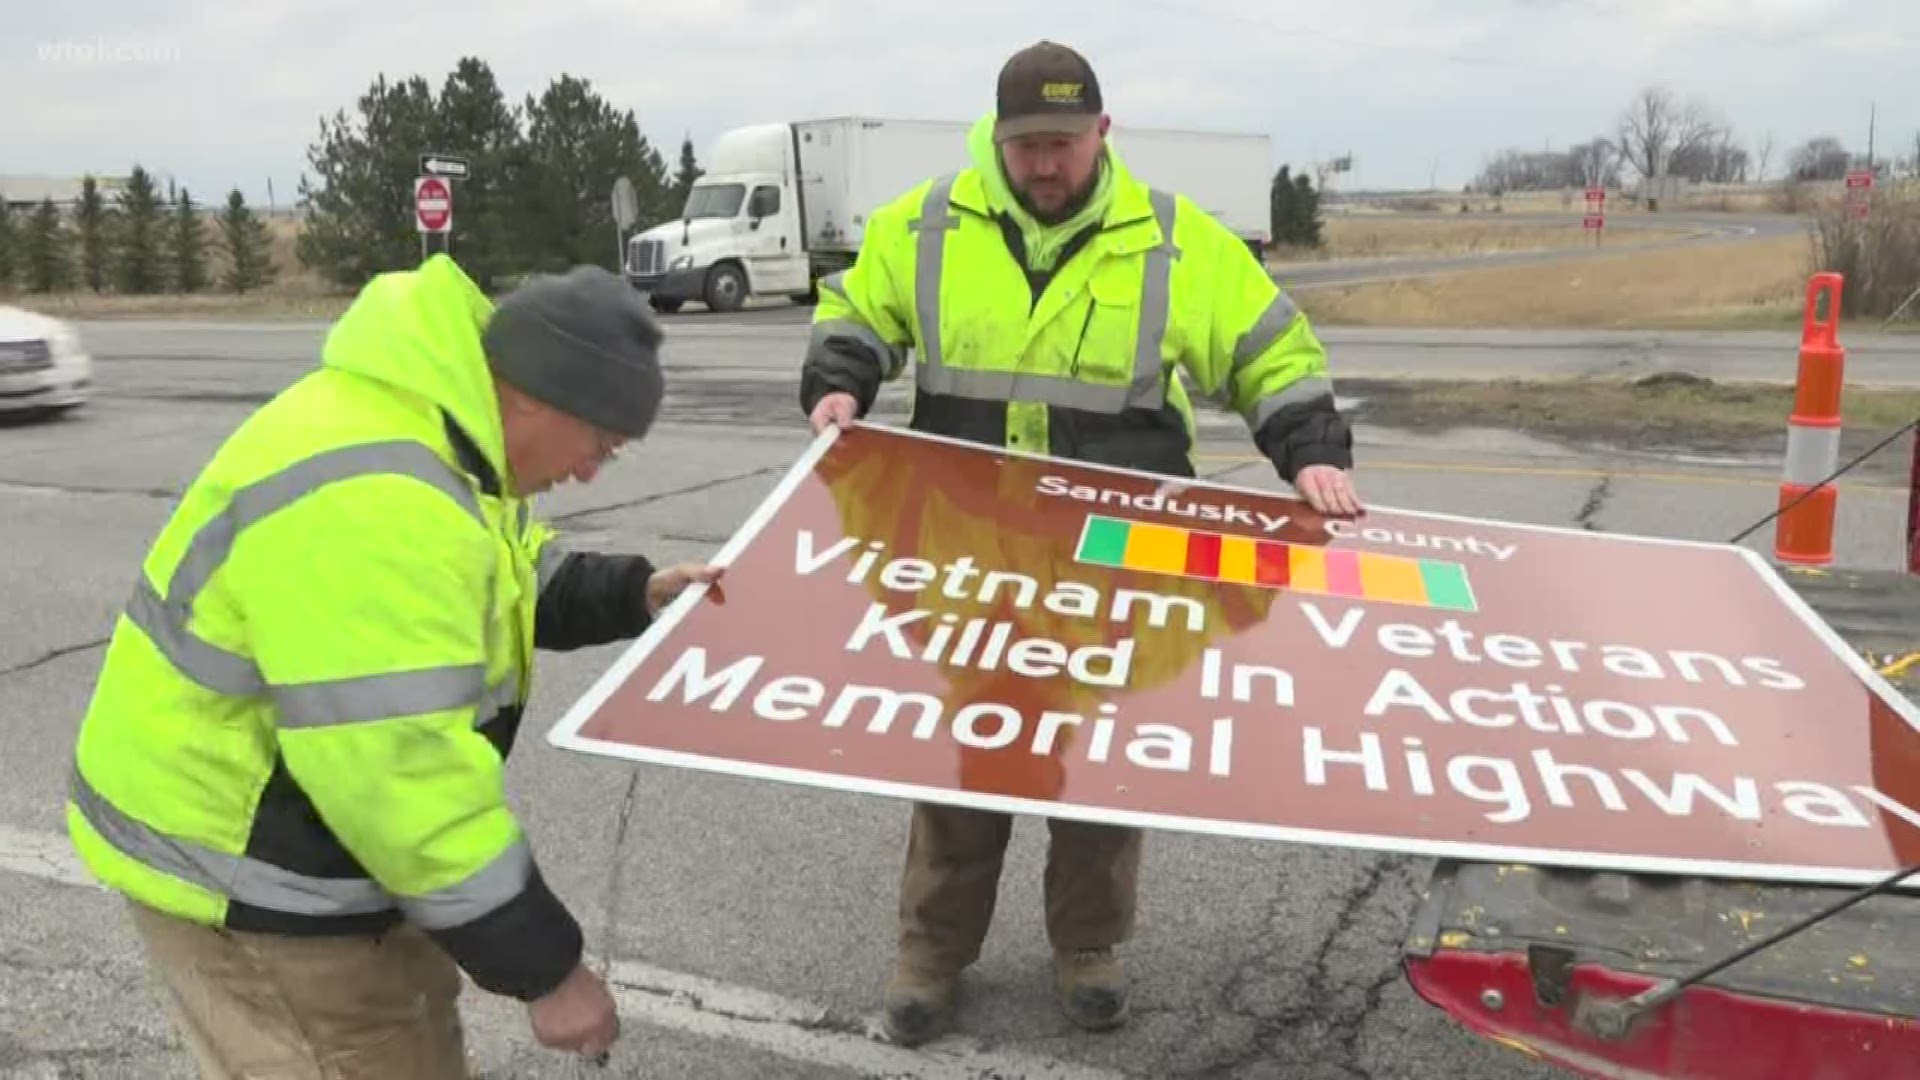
647	257
24	356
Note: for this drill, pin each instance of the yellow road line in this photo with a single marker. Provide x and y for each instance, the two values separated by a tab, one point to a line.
1567	472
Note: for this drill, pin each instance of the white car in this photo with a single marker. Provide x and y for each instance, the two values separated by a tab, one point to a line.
43	365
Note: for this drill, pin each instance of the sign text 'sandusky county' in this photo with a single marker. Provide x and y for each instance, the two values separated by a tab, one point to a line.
927	619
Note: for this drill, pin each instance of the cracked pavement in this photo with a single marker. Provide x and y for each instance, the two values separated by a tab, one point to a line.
1252	961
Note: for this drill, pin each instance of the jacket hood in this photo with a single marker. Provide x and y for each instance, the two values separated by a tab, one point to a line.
1043	241
419	331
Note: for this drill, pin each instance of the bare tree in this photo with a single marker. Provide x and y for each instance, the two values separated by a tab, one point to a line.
1657	125
1595	162
1823	158
1763	153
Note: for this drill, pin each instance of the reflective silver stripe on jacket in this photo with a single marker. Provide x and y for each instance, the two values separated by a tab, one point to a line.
1148	388
263	885
1270	327
238	877
166	619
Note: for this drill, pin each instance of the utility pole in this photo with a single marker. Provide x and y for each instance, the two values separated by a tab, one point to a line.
1873	116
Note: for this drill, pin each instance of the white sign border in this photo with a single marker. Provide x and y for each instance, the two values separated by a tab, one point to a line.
565	733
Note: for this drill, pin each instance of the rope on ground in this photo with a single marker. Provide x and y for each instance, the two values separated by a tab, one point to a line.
1896	668
1837	474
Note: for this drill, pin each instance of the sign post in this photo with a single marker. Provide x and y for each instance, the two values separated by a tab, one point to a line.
1596	219
922	618
432	211
433	197
626	211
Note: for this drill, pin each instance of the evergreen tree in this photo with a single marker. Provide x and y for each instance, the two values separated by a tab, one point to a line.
359	212
47	266
472	116
1294	209
1306	212
140	261
94	222
187	245
690	171
249	256
1280	205
583	145
9	246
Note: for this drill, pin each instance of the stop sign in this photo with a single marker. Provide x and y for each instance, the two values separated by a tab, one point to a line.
432	204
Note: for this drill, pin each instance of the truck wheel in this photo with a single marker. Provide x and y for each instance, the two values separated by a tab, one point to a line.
667	306
726	288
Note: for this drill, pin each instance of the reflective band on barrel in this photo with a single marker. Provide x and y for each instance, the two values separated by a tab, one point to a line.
1813	453
165	620
238	877
1148	387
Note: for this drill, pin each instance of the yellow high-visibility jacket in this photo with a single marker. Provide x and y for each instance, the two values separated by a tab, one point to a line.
1072	340
304	712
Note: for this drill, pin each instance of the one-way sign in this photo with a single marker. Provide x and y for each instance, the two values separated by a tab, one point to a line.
443	165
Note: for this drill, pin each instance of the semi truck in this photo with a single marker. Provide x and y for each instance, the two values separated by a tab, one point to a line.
784	204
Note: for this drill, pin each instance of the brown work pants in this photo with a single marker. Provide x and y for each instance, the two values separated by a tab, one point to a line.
952	878
272	1007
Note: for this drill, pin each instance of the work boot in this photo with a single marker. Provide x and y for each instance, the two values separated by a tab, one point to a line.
1092	985
919	1004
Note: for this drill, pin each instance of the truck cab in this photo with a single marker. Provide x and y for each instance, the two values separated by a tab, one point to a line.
739	233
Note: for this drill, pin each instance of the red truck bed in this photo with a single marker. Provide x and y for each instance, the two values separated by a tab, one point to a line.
1520	954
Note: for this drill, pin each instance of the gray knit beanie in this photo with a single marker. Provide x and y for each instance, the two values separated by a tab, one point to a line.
584	343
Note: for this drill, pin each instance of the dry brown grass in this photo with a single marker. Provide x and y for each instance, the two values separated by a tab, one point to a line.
1370	236
1705	285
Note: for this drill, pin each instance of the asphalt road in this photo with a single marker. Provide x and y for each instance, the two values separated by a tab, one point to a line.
755	926
248	360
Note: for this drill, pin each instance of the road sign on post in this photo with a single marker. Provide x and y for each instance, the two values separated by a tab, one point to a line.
436	164
626	211
1859	192
1596	211
432	211
432	205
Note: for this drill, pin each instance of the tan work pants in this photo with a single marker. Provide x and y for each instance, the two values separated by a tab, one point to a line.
273	1007
952	878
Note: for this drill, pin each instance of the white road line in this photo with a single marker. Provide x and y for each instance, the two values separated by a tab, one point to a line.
796	1030
43	855
802	1032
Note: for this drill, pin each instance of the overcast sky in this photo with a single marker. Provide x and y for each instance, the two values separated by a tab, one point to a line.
228	94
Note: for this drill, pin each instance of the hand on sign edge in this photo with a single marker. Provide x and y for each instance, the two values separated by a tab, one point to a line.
666	584
837	408
1328	489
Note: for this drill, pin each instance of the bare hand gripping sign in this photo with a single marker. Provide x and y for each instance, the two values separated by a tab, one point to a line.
922	618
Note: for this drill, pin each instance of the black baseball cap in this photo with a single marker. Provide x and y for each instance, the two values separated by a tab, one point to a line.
1047	88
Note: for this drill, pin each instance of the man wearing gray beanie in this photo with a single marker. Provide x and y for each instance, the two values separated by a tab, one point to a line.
293	763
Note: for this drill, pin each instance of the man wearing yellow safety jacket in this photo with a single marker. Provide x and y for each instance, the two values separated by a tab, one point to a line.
292	764
1054	304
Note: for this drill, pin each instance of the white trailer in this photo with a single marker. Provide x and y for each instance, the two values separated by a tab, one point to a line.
782	205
